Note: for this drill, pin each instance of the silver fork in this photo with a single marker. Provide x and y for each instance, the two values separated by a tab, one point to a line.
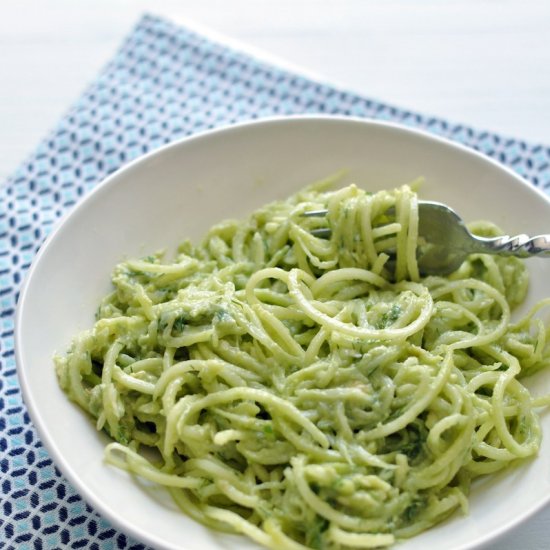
447	242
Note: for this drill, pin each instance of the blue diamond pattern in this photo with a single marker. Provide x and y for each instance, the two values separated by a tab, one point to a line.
164	83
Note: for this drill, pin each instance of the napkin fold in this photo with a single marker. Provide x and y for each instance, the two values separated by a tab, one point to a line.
165	82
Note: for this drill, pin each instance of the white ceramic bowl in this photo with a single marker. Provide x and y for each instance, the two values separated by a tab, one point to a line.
179	191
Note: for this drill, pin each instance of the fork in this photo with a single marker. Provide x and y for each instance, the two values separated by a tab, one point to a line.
447	242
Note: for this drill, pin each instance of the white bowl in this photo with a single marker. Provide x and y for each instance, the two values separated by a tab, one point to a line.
179	191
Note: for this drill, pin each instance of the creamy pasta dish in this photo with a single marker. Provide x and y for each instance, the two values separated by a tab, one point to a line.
313	392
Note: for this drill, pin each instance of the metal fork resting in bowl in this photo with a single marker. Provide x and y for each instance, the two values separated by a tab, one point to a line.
448	242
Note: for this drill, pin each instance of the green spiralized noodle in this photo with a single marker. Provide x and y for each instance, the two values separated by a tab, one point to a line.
313	392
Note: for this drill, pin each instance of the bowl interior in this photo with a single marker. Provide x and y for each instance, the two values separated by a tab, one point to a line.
178	192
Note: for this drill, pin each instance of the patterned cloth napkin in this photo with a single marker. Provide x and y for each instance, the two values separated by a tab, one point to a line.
164	83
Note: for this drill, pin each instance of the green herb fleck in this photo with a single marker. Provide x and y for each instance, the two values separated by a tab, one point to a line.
123	435
389	317
179	324
314	534
414	509
268	431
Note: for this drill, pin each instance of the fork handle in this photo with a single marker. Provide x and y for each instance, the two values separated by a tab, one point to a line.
521	246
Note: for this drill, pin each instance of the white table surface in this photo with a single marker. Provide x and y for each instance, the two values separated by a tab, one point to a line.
485	63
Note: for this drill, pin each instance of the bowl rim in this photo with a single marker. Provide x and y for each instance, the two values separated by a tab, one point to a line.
103	186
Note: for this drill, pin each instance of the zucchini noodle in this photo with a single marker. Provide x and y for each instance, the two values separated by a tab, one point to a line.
313	392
